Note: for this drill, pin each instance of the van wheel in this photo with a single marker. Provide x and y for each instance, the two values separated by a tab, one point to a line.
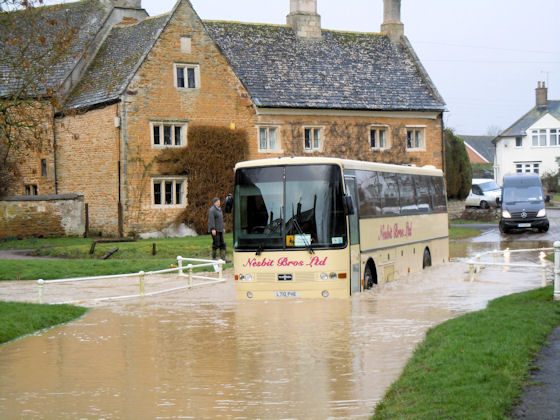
427	259
503	229
484	204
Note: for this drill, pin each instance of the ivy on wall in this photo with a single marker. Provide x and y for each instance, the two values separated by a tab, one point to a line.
208	162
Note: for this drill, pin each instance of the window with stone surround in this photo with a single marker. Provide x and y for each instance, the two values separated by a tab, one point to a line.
415	139
269	139
187	76
31	189
168	134
378	137
169	191
312	139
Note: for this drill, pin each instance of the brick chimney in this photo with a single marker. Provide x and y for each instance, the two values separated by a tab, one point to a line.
541	94
392	24
304	20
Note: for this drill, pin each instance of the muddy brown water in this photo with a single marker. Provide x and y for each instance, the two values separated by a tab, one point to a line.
200	354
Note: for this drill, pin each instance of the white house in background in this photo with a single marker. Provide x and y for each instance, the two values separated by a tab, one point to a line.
532	143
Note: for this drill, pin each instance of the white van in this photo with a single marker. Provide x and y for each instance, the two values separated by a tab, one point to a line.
484	193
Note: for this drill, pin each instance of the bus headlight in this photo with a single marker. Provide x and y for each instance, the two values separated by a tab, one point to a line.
324	276
249	295
248	277
506	214
325	293
541	213
241	277
333	276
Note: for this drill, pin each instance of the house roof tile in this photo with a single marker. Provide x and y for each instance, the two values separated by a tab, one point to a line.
343	70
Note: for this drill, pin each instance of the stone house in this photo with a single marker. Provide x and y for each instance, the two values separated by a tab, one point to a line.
532	143
296	89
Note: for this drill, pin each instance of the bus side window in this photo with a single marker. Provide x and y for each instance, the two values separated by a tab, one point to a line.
390	193
423	193
440	201
369	200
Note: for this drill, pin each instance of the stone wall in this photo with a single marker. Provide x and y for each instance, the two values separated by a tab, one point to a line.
42	216
455	209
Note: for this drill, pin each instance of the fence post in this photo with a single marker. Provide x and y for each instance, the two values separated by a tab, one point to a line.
40	282
471	272
557	270
180	265
190	275
141	275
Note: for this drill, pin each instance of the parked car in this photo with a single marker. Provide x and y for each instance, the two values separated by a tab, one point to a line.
523	203
484	193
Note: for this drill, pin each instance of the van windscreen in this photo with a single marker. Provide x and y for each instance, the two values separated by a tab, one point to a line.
522	194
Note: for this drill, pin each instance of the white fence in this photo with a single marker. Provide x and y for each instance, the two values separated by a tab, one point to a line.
217	265
477	262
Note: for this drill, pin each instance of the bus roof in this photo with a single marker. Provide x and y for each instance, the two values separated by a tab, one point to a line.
344	163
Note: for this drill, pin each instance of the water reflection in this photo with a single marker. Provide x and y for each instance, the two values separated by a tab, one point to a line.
200	354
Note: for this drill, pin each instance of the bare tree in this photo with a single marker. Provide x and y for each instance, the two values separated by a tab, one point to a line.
34	47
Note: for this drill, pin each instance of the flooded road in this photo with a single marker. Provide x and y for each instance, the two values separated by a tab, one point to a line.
200	354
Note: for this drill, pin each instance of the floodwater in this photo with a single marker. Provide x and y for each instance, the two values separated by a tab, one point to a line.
200	354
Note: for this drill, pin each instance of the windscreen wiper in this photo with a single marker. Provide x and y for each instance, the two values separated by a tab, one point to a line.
302	233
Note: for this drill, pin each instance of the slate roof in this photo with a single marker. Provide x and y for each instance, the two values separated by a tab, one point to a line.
344	70
84	17
116	62
536	113
482	145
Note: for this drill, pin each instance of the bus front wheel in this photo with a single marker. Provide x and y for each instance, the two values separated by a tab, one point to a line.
370	277
427	259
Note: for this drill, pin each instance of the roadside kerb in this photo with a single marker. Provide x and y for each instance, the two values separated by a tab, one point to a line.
216	264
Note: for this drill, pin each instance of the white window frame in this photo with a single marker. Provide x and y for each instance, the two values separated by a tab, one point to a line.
173	125
186	67
173	180
416	130
268	148
542	137
380	145
321	139
528	167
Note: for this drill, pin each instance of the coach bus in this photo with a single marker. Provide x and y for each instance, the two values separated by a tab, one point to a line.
327	227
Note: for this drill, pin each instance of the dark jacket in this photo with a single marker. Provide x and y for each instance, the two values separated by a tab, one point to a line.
215	219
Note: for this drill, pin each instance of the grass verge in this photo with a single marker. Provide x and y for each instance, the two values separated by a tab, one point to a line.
456	232
474	366
17	319
75	260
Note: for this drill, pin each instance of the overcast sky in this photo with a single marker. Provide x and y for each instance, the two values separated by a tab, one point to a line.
484	56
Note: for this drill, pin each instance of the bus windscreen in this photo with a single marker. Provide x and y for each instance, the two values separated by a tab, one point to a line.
289	207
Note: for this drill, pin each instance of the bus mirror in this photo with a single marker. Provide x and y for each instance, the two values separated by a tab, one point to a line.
229	203
348	205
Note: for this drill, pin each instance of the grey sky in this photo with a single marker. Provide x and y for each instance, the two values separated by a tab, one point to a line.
485	56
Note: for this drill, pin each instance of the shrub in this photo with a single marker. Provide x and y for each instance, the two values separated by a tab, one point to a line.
458	171
208	161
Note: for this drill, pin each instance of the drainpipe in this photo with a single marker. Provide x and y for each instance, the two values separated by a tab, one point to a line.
54	149
118	123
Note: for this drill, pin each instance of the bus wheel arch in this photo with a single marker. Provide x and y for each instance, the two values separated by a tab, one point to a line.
426	258
370	274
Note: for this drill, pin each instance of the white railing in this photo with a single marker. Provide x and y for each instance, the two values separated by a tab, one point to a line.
476	262
216	264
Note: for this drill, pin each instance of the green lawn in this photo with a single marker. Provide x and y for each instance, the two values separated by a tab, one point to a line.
17	319
77	262
456	232
474	366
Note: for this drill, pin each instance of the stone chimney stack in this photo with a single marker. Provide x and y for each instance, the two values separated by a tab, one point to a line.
392	24
541	93
304	20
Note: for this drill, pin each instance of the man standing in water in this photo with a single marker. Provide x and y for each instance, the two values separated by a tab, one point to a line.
216	229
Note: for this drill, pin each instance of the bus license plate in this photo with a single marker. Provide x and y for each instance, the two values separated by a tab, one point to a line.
524	225
286	294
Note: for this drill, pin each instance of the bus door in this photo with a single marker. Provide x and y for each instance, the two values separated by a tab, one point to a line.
354	237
